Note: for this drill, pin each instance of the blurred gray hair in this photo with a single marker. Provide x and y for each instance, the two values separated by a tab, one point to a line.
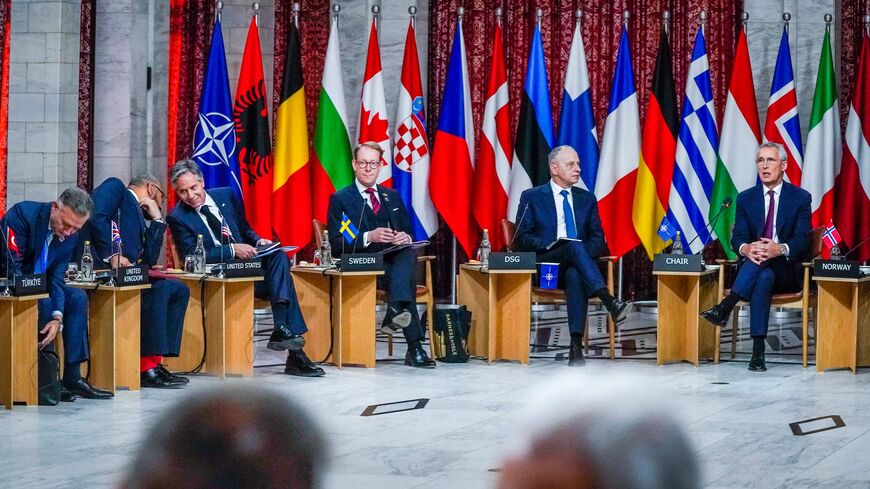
778	147
143	179
551	157
627	437
182	167
233	436
77	200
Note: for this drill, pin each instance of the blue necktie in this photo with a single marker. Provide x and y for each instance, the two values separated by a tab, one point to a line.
570	227
42	263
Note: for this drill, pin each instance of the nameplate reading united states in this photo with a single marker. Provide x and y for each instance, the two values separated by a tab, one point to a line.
28	284
362	262
837	268
524	260
667	262
241	268
137	275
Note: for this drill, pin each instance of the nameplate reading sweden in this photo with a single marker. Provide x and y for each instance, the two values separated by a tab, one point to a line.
362	262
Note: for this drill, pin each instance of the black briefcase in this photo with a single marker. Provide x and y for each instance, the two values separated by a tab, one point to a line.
49	378
451	328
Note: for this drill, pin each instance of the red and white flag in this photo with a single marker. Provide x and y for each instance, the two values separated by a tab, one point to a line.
493	171
852	199
12	245
831	237
373	123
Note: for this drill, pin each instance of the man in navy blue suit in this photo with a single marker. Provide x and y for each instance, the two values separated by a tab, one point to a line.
382	221
772	232
201	213
46	236
557	210
135	208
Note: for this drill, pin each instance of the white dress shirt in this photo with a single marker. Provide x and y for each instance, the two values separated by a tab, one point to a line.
777	191
561	230
365	195
214	209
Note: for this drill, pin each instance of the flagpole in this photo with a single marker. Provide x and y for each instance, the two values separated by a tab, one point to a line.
9	274
625	16
376	10
296	9
666	24
460	12
412	11
256	8
219	10
786	18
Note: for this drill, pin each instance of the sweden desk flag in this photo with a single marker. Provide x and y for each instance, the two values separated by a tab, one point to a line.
347	229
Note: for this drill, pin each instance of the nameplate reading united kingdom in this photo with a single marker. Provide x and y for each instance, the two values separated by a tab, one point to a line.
667	262
137	275
362	262
523	260
836	268
28	284
240	268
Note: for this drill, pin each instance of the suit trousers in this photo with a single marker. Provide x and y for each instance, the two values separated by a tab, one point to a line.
163	307
75	323
758	283
278	288
579	276
400	282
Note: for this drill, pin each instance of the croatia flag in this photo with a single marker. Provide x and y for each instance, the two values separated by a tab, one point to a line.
782	125
452	164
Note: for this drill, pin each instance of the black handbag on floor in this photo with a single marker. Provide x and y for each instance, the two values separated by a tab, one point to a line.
49	378
451	330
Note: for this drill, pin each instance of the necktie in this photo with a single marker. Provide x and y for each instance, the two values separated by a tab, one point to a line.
376	205
42	263
213	222
768	223
570	227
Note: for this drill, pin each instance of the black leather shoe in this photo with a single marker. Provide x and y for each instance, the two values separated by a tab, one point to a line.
282	339
619	310
417	357
80	388
395	320
171	377
716	315
66	395
575	355
152	379
300	365
756	363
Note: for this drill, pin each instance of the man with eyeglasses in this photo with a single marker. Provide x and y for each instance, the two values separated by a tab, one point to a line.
136	211
559	209
772	234
382	221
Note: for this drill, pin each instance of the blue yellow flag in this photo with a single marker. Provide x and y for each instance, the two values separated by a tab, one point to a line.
347	229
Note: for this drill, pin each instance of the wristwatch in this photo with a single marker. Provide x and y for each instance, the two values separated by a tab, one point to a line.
783	249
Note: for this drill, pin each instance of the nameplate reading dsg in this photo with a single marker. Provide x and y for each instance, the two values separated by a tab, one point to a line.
137	275
837	268
29	284
524	260
241	268
667	262
362	262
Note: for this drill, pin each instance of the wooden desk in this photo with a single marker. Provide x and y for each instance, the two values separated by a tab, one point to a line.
114	334
19	367
843	329
352	301
500	302
681	335
229	326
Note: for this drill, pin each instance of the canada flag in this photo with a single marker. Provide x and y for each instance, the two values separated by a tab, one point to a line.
373	123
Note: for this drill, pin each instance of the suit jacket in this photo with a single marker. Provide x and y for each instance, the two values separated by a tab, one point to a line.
29	222
349	201
185	223
792	219
537	226
140	243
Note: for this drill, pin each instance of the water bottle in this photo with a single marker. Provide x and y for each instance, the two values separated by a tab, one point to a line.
86	269
199	255
677	249
484	249
326	250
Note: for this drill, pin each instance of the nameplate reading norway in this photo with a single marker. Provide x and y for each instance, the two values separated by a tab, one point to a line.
667	262
362	262
524	260
836	268
137	275
28	284
241	268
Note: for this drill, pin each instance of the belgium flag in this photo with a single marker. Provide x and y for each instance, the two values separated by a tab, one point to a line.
291	187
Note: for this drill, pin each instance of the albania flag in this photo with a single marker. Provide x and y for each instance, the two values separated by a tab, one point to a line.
254	144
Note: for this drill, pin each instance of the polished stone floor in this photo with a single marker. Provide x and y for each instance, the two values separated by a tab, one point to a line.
738	420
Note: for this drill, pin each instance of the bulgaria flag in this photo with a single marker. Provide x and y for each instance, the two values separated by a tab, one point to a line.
330	168
741	135
373	124
824	147
291	181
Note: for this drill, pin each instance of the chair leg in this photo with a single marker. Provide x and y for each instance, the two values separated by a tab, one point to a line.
611	329
718	344
735	319
390	344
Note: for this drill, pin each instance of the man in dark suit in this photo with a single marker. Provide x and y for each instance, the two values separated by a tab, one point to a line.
135	208
557	210
773	233
44	236
201	213
382	221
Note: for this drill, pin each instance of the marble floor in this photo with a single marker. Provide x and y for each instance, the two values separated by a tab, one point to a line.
738	420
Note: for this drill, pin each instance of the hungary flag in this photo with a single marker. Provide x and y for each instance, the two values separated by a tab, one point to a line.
330	168
741	135
824	147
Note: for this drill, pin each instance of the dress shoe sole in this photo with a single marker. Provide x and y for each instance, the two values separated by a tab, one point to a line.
149	385
714	319
289	344
426	365
84	395
296	373
753	368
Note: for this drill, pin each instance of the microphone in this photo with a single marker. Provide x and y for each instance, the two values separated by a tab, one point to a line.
522	216
857	247
358	226
725	204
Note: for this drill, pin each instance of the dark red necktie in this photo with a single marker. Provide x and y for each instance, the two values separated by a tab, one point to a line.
376	205
768	223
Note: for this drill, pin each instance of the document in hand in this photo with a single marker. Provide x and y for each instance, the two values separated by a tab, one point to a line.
268	249
561	241
413	245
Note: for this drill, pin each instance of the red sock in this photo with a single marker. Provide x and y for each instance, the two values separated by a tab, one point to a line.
148	362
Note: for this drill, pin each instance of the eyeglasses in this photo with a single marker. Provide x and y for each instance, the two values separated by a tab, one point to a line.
368	165
767	161
162	197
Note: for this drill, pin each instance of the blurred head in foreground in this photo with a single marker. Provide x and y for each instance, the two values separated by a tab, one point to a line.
230	437
581	432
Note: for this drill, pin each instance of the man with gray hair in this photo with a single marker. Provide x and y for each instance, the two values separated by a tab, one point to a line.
134	213
42	238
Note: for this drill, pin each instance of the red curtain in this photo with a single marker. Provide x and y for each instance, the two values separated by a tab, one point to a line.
602	22
5	32
851	18
85	154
